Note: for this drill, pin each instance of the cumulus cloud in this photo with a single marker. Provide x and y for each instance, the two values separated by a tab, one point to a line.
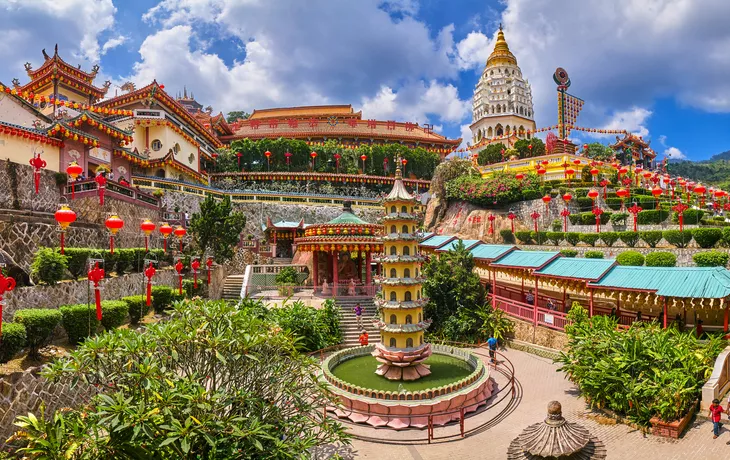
673	153
472	52
633	120
113	43
416	101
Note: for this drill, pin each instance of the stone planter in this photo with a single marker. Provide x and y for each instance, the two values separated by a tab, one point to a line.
672	429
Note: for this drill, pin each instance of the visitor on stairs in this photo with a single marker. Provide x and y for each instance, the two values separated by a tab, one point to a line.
716	411
363	338
358	314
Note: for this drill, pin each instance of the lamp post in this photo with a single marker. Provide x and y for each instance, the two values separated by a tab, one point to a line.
267	154
113	223
313	155
147	227
635	209
288	155
363	157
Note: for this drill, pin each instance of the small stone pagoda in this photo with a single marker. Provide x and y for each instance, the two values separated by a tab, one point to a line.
402	350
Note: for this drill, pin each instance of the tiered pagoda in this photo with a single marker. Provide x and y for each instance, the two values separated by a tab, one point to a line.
402	350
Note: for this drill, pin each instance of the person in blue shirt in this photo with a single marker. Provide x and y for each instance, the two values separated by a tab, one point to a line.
492	344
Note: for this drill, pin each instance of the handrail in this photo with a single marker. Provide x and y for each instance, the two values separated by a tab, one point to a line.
89	187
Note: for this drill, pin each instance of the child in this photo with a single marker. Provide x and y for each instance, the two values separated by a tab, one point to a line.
358	314
716	411
363	338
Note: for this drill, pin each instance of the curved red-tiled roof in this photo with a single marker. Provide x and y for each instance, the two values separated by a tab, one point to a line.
305	111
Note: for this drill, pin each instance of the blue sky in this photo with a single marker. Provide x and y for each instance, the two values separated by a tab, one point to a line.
658	68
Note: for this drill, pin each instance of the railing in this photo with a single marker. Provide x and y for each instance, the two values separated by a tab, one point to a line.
87	188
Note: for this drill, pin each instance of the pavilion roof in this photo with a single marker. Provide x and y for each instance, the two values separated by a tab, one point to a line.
436	241
451	245
525	259
54	67
577	268
491	251
399	191
348	217
427	235
305	111
283	224
699	282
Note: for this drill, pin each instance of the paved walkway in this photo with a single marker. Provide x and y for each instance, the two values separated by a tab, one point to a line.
540	383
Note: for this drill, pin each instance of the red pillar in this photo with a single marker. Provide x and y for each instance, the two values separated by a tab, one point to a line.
315	269
590	305
368	269
665	313
335	275
727	313
494	288
537	296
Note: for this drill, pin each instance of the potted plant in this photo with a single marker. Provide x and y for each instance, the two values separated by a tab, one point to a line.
286	280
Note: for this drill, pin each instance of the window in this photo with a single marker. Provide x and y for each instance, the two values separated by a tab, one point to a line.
393	297
393	319
421	340
409	319
393	273
392	209
176	148
392	342
156	145
393	229
406	273
407	297
403	209
160	173
418	294
409	343
393	251
406	251
404	229
420	318
416	272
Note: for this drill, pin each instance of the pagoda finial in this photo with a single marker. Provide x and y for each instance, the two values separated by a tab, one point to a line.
500	26
55	50
185	92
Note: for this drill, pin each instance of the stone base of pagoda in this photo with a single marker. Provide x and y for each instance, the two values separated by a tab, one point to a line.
402	364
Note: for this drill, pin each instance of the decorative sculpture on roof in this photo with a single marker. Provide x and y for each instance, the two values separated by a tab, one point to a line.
94	70
45	55
28	66
128	87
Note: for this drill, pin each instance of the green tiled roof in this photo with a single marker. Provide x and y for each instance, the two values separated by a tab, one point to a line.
569	267
436	241
525	259
491	251
347	218
468	244
700	282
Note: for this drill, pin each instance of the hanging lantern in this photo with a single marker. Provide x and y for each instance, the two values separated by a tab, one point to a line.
593	195
95	275
166	231
209	265
74	171
113	223
519	176
7	284
65	217
179	268
594	173
512	216
180	233
700	190
576	162
288	155
567	197
541	171
195	265
37	163
657	192
149	272
547	199
147	226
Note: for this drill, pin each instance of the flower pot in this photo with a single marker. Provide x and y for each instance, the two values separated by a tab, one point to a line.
672	429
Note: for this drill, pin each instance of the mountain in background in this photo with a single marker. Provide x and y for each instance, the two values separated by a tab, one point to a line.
719	156
715	171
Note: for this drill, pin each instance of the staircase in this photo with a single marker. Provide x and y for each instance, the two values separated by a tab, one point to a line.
281	260
348	322
232	287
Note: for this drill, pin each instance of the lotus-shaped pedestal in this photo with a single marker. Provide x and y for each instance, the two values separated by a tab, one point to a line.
402	364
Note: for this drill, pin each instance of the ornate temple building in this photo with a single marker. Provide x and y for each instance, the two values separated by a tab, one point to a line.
402	350
502	105
633	149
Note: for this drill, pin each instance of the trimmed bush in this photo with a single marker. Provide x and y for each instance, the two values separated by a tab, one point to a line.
125	257
555	237
584	203
652	216
572	237
651	237
593	255
619	218
507	235
136	307
538	237
726	236
711	259
13	340
574	219
661	259
690	216
189	290
48	266
613	203
589	238
629	238
568	252
609	238
707	237
76	259
39	325
79	321
113	313
630	258
557	225
677	238
161	298
524	237
531	194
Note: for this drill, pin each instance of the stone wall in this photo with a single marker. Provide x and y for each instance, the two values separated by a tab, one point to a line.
48	193
542	336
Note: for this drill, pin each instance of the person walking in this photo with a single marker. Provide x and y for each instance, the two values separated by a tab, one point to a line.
492	344
358	314
715	414
364	339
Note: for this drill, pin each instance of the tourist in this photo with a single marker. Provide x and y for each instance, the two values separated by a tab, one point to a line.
700	329
358	314
638	317
715	413
551	305
351	288
363	338
613	313
530	297
492	344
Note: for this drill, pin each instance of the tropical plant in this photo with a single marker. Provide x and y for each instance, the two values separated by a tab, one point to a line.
48	266
13	340
630	258
661	259
507	235
572	237
314	328
711	259
593	255
494	322
114	313
39	326
651	237
217	227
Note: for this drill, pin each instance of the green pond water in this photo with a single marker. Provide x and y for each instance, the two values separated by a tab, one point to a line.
360	371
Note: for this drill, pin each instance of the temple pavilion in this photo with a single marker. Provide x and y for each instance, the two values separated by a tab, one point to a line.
342	253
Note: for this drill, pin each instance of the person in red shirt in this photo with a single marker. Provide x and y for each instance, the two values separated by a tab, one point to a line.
715	414
363	338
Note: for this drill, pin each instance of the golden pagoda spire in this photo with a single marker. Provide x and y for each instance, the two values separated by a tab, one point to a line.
501	53
398	171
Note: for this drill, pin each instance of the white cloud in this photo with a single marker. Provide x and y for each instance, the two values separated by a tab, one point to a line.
472	52
674	153
415	102
113	43
633	120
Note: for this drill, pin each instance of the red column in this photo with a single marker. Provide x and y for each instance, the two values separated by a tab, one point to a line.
590	305
665	313
537	296
368	269
335	275
727	313
494	288
315	269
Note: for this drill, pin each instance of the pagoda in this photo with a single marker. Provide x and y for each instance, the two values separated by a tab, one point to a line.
402	350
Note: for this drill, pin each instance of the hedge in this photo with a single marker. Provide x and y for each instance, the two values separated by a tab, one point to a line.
653	216
690	216
557	225
13	340
629	238
677	238
726	236
588	218
136	307
113	313
572	237
555	237
79	321
630	258
593	255
569	252
523	236
589	238
619	218
189	287
39	325
661	259
707	237
651	237
48	266
123	260
609	238
711	259
507	235
584	203
161	298
531	194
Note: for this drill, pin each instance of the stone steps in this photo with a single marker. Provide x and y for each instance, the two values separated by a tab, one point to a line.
348	321
232	287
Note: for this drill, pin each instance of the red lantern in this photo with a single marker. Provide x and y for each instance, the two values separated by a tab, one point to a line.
363	157
535	215
37	163
657	192
519	176
100	180
541	171
7	284
576	162
65	217
209	265
95	275
288	155
179	268
594	173
147	226
565	213
113	223
547	199
166	231
180	233
313	155
593	194
74	171
700	190
149	272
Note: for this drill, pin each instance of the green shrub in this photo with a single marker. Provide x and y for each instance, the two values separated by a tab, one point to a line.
13	340
589	238
539	237
39	325
190	291
613	203
593	255
523	237
726	236
531	194
630	258
677	238
113	313
609	238
575	219
711	259
651	237
136	307
79	321
161	298
555	237
572	237
110	261
557	225
652	216
629	238
619	218
287	275
507	235
48	266
568	252
76	258
707	237
661	259
125	258
690	216
584	203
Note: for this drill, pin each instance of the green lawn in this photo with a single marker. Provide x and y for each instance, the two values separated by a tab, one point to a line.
360	371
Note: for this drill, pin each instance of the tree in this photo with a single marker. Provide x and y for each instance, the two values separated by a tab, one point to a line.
237	114
523	147
217	227
491	154
598	151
